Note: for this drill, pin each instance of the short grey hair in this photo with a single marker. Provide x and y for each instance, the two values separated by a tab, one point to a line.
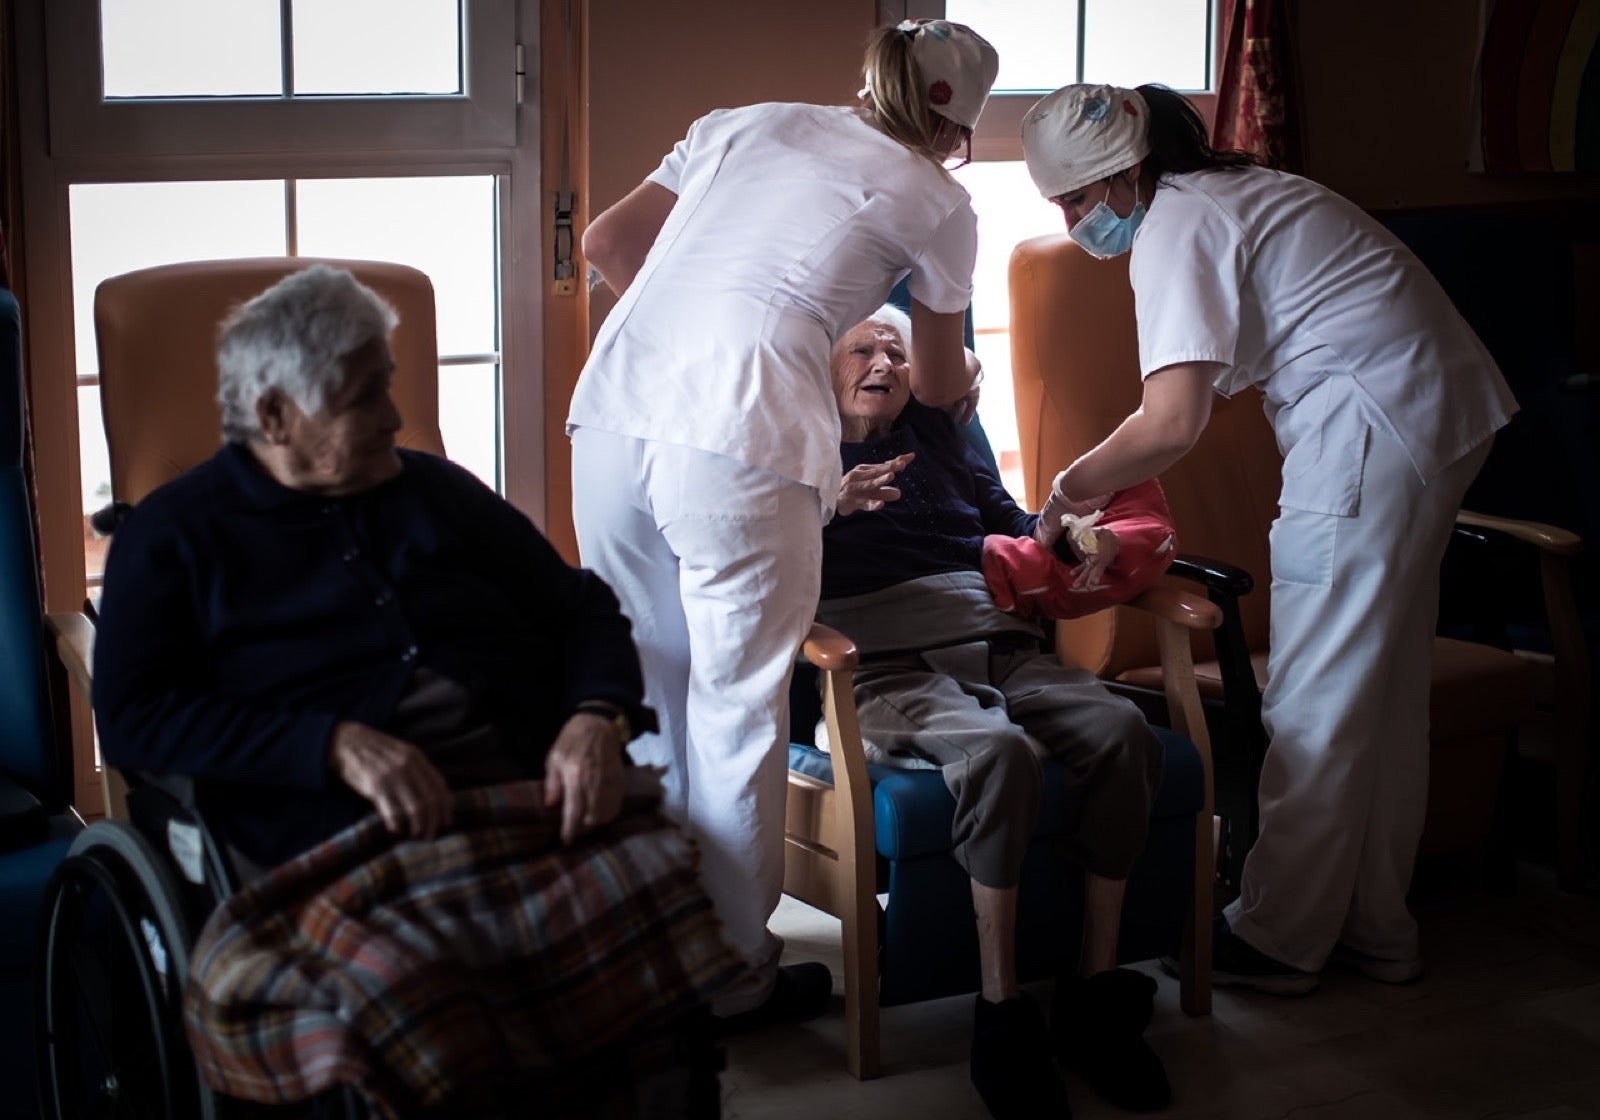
895	319
294	337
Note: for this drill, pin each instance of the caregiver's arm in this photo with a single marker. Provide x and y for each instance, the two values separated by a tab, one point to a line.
1173	413
618	240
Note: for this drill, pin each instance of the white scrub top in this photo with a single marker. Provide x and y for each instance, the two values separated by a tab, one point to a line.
792	223
1290	285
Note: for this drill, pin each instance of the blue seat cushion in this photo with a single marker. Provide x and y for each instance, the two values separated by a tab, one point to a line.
23	875
912	809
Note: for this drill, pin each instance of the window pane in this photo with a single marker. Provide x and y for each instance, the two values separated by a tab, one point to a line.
191	48
469	418
443	225
1010	210
377	46
1037	40
1164	41
118	227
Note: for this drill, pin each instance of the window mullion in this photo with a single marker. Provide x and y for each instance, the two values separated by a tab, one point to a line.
286	46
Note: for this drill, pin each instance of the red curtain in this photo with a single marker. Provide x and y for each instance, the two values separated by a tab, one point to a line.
1256	109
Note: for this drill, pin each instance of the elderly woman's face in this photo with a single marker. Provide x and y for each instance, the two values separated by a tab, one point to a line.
871	378
347	446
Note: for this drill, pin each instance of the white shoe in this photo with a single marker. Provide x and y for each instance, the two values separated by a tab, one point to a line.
1385	970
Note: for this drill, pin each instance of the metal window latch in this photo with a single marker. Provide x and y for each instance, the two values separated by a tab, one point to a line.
565	270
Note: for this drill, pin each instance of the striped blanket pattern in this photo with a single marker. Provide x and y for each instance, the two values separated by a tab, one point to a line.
410	970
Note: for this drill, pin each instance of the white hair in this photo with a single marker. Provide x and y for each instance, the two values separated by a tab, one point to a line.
294	337
896	320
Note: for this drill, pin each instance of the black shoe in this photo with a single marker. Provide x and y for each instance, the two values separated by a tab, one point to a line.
800	992
1098	1025
1011	1066
1237	963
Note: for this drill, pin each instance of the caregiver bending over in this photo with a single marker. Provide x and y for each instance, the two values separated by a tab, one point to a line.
1384	404
705	438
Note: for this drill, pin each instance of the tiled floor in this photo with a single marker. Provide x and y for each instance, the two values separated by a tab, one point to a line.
1505	1024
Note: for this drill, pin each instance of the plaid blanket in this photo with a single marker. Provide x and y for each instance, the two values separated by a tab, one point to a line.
411	970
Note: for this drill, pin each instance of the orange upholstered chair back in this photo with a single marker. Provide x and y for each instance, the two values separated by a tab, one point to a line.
1075	361
156	333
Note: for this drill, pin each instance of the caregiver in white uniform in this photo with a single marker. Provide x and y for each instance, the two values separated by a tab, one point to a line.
1384	403
705	432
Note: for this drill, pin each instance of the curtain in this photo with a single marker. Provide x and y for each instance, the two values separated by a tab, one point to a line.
1256	109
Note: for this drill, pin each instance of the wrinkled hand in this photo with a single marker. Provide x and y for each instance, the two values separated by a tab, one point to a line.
583	773
408	791
867	487
1093	565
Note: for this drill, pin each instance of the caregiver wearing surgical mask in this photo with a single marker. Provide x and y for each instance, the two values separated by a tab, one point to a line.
705	434
1384	404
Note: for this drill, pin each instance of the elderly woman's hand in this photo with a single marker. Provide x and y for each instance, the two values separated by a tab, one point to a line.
867	487
408	791
583	773
1093	566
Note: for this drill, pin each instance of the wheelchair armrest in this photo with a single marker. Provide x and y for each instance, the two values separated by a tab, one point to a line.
74	635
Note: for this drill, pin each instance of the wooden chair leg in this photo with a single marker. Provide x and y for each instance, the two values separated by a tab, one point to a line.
860	930
1194	971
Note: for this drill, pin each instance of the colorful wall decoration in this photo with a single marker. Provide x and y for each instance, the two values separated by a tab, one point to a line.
1538	86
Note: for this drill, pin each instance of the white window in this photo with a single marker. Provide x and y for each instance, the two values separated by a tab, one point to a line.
378	129
1045	44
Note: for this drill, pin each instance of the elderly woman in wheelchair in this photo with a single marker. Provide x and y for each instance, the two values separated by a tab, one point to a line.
315	625
948	679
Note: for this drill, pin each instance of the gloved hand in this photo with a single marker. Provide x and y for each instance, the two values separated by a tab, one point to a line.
1056	508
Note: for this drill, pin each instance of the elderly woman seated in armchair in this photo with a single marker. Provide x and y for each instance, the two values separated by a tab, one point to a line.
949	679
315	624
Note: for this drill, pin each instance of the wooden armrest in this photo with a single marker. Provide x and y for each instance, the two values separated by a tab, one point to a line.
1548	538
74	635
1182	607
828	649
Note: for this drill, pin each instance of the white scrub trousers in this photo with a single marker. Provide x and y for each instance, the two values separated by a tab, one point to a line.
1344	786
718	566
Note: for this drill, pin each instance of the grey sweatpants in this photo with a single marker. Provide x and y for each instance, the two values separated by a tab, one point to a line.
987	717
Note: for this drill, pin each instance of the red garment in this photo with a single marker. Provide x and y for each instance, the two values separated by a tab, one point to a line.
1029	579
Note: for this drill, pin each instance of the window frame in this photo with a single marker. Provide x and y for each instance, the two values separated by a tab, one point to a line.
84	123
998	136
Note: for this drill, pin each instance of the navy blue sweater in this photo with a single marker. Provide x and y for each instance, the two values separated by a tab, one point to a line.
950	500
241	620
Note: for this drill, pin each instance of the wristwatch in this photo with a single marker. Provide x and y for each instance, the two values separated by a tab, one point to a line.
607	710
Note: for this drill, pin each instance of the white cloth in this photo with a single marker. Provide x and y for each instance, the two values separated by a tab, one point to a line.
718	565
792	223
1345	785
1287	284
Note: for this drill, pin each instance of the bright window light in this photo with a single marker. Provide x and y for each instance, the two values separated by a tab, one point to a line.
191	48
377	47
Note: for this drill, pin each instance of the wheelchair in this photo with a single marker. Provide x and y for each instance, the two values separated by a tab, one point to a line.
119	919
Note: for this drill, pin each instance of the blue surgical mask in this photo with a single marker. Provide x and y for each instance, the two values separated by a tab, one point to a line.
1103	234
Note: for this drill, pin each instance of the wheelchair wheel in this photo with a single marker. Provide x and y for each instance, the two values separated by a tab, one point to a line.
110	997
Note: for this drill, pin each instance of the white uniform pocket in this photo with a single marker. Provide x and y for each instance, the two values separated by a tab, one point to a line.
1323	436
1303	547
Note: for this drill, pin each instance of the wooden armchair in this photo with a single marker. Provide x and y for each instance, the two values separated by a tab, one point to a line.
854	830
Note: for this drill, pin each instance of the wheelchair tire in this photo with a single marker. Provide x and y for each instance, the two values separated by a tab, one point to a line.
110	994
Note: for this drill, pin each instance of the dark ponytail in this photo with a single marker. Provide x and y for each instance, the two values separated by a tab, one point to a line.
1178	140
